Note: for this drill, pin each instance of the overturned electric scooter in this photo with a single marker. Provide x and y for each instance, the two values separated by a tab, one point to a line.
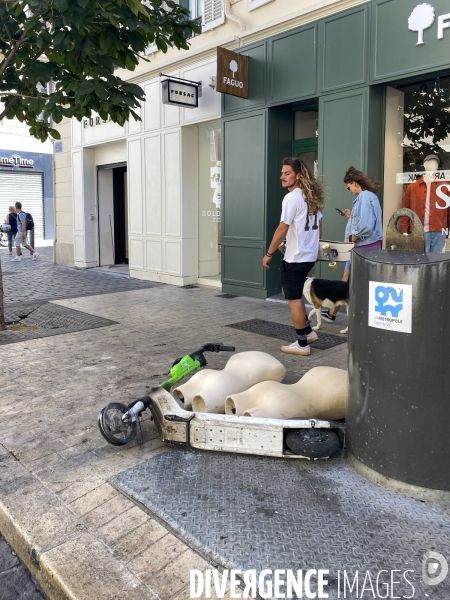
286	438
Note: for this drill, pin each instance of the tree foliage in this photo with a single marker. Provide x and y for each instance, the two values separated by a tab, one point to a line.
78	45
428	118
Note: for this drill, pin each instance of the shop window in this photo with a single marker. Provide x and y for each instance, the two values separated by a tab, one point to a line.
306	142
417	150
209	201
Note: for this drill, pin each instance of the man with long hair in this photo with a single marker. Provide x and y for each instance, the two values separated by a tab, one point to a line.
300	226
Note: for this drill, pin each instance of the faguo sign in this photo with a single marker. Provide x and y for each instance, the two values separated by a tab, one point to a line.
423	17
232	73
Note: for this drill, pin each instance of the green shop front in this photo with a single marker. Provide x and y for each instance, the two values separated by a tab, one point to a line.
368	87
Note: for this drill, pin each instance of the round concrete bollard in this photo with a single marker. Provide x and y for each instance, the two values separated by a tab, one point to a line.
399	398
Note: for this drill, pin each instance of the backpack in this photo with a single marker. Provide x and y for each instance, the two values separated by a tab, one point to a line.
30	222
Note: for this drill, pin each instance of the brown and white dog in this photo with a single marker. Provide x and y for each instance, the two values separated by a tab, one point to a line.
324	293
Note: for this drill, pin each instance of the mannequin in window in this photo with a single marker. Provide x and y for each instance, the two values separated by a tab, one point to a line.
427	198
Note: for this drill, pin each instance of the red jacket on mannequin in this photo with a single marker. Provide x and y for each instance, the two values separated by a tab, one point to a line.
415	198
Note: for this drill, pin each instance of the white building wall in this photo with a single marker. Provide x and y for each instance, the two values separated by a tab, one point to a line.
162	180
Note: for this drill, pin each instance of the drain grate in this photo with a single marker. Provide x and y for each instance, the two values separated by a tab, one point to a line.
49	320
226	296
286	332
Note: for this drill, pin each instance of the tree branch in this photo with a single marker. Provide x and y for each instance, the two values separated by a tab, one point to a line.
8	107
10	56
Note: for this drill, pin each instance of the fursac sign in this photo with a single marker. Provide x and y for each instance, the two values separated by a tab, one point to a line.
180	93
232	73
16	161
423	17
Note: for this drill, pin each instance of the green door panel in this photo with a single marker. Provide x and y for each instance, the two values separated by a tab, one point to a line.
256	81
342	125
292	64
345	49
395	49
242	265
244	143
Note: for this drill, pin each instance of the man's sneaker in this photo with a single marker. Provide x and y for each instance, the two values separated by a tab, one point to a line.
326	315
35	255
295	348
16	258
312	337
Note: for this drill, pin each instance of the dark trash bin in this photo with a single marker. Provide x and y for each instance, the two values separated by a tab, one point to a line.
398	420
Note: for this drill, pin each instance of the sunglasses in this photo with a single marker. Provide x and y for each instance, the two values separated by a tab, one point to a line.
348	188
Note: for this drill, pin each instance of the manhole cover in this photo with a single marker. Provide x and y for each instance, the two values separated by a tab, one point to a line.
286	332
49	320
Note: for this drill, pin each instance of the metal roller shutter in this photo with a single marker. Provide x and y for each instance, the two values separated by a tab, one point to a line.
26	188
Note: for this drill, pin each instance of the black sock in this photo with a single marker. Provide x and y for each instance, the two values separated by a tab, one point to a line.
308	329
302	340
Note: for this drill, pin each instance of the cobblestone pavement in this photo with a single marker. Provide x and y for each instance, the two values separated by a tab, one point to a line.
15	580
31	280
54	463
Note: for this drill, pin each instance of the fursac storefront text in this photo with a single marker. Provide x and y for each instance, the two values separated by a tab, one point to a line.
368	87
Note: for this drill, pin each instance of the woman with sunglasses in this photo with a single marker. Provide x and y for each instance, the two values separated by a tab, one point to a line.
365	223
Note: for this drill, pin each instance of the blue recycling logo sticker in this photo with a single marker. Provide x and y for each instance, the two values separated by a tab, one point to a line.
390	306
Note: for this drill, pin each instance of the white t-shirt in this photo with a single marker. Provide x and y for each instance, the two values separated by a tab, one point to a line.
302	239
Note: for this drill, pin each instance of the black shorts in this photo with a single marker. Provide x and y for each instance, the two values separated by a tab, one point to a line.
293	277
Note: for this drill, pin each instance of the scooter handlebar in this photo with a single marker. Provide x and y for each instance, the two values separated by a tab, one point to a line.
227	348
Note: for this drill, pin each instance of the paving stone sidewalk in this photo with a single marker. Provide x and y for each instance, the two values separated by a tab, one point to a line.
41	280
85	540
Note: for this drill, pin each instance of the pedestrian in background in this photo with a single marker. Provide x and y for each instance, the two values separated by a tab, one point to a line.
300	226
21	236
11	220
365	223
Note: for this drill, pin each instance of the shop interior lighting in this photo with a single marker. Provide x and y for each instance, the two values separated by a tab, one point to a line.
423	89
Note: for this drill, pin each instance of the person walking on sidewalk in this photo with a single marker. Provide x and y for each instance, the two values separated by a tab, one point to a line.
11	220
21	236
365	223
300	226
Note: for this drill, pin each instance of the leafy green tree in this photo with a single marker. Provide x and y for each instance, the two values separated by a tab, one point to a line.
428	118
77	46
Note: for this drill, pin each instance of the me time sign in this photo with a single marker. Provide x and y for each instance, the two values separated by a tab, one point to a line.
232	73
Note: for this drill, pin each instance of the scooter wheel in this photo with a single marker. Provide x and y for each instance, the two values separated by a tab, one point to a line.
111	426
313	443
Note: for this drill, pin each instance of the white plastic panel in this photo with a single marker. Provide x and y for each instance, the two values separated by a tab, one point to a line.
77	137
209	103
152	105
153	185
172	257
78	201
136	253
134	170
153	255
172	183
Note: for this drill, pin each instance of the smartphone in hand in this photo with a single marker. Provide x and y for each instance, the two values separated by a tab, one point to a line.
340	212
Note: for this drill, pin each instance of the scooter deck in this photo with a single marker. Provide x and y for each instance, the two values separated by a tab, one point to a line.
339	251
224	433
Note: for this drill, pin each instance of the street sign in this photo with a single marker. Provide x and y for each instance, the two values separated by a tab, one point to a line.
180	93
232	73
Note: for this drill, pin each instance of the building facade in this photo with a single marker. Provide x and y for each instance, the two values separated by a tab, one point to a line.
192	195
26	175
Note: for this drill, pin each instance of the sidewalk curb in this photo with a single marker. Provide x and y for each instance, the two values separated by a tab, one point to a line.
66	558
17	538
